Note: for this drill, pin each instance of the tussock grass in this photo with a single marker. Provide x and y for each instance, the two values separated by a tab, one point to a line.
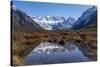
24	42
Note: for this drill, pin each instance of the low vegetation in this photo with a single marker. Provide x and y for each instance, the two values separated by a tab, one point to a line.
25	42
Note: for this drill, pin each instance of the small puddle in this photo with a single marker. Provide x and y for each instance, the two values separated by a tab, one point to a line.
50	53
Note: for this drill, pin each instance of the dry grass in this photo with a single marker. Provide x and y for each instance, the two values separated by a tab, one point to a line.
24	42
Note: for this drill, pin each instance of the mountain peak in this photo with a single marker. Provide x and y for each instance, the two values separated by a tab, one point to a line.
88	17
13	7
69	19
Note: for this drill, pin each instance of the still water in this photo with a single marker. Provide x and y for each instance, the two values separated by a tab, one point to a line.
50	53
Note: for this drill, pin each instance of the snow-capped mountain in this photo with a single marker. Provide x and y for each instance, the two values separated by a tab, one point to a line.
68	23
88	17
47	21
70	19
54	22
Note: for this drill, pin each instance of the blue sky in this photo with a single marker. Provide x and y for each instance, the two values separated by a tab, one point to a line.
51	9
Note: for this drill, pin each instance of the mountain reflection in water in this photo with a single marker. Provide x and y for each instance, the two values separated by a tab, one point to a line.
50	52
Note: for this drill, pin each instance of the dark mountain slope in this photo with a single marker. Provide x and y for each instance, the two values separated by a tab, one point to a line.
22	22
87	20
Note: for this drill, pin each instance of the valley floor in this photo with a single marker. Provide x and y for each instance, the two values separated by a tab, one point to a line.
24	42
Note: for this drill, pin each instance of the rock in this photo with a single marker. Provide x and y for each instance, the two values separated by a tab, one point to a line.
52	40
61	42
